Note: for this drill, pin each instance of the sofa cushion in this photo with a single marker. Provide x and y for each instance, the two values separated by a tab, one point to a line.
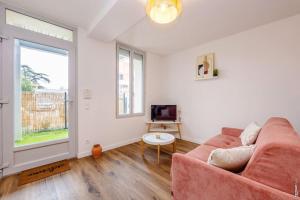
224	141
249	135
202	152
233	159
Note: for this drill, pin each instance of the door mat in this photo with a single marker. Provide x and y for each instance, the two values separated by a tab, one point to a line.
44	171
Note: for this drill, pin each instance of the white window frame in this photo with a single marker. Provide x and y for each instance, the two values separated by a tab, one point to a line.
132	51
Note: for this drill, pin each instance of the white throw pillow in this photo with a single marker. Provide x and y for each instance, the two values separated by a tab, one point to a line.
231	159
249	135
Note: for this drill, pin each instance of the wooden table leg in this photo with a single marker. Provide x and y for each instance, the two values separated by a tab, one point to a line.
179	131
174	146
158	153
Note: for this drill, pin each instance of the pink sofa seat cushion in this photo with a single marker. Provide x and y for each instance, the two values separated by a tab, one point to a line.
224	141
202	152
236	132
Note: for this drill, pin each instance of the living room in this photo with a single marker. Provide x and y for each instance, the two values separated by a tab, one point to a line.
84	82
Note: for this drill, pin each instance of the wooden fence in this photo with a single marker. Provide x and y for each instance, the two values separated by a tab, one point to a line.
43	111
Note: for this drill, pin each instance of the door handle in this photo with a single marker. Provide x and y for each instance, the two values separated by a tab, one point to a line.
69	101
2	37
2	102
5	165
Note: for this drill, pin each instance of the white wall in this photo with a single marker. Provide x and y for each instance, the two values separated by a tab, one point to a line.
97	72
259	78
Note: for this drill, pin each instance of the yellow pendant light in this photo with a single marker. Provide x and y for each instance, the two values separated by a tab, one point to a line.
163	11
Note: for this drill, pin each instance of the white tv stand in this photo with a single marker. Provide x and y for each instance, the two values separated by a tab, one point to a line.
164	126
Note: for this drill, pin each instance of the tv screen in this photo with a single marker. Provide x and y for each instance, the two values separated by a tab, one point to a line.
163	113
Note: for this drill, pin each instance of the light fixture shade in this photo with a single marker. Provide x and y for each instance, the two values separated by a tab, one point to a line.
163	11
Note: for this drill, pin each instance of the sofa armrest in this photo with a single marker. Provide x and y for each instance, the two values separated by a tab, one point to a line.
193	179
232	131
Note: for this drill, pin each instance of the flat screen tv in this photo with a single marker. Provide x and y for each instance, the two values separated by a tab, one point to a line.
163	112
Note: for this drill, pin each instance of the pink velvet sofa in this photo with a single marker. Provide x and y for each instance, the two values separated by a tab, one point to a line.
271	172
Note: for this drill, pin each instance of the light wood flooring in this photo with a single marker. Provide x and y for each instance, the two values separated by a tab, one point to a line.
122	173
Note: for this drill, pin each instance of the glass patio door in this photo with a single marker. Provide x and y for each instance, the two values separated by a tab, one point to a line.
39	84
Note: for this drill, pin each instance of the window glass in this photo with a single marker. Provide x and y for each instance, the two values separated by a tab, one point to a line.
41	93
138	83
36	25
124	82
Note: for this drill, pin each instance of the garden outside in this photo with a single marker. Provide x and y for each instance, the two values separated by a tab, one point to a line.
42	136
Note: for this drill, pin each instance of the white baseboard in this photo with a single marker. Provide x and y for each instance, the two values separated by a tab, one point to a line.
83	154
126	142
130	141
110	147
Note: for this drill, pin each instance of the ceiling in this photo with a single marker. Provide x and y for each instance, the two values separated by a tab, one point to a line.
125	20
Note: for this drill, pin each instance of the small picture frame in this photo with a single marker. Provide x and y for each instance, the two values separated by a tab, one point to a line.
205	66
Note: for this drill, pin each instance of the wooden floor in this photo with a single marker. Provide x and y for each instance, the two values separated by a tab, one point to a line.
122	173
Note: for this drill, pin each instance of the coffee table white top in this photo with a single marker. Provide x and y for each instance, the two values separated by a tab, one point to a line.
165	138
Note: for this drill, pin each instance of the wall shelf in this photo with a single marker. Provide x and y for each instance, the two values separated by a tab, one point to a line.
207	78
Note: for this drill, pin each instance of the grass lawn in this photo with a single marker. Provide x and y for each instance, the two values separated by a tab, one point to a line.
43	136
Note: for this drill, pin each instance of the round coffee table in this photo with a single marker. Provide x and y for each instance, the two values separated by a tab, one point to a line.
158	139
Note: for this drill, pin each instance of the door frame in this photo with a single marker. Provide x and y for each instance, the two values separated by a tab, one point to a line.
1	98
8	147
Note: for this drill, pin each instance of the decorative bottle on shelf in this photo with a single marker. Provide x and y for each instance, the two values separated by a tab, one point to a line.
179	115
